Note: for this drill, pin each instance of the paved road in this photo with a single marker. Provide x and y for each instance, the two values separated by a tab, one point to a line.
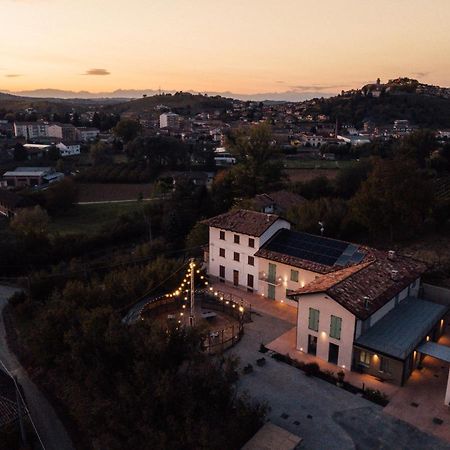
50	428
325	416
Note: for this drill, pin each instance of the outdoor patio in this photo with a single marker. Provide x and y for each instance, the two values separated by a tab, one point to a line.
261	304
421	399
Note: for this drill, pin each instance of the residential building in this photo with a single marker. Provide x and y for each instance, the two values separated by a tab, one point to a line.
30	130
234	239
71	149
87	134
278	202
312	140
169	120
64	131
358	308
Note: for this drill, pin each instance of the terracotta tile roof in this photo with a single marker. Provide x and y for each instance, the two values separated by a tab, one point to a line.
282	200
366	287
243	221
325	282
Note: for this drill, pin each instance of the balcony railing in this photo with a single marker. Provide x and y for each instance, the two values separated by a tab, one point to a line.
264	276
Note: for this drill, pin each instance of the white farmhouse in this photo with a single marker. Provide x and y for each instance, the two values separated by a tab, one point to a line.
358	307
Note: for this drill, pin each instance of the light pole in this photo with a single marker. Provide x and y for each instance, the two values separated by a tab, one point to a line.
192	313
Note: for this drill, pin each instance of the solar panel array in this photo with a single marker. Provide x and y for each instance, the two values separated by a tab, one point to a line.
316	249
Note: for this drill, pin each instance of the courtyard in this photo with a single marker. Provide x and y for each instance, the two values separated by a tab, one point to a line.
322	414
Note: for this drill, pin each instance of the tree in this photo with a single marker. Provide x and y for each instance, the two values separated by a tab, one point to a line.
395	199
259	167
198	236
417	146
127	129
329	211
30	222
20	153
99	153
53	153
60	196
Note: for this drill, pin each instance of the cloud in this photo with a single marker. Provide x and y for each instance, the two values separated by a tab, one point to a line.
316	87
420	74
97	72
13	75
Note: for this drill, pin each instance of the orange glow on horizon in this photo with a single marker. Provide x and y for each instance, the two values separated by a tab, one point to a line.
240	47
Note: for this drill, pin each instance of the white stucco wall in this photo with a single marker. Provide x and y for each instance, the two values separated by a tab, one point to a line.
215	261
283	271
327	308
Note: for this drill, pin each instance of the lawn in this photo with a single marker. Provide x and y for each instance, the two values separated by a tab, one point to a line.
315	164
90	219
100	192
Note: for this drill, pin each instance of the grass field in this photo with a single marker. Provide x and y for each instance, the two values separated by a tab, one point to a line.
315	164
99	192
90	219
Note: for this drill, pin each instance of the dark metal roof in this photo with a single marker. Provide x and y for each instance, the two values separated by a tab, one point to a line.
401	330
435	350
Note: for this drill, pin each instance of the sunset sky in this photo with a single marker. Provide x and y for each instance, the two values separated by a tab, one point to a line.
243	46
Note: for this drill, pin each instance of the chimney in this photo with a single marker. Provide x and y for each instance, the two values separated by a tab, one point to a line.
394	275
391	254
366	301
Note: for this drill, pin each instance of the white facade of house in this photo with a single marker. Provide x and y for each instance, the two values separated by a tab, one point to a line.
87	134
169	120
69	149
30	130
223	253
285	276
327	307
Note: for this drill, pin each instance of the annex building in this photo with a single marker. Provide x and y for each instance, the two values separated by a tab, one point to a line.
358	307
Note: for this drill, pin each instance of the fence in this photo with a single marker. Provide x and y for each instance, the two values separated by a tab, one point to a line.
219	341
231	304
216	341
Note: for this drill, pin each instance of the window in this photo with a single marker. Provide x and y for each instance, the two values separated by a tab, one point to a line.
335	327
294	275
236	256
251	242
237	239
313	319
222	271
222	235
222	252
364	358
251	261
250	280
384	365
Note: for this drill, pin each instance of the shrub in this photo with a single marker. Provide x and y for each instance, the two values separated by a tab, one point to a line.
312	369
376	396
263	348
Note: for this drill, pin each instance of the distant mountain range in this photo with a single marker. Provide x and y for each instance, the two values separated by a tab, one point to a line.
289	96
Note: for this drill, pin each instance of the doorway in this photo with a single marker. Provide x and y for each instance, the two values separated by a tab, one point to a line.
333	353
312	344
236	277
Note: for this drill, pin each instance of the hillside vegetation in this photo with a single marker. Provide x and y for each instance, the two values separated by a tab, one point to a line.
182	103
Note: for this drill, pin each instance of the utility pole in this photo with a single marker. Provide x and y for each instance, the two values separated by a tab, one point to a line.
192	314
